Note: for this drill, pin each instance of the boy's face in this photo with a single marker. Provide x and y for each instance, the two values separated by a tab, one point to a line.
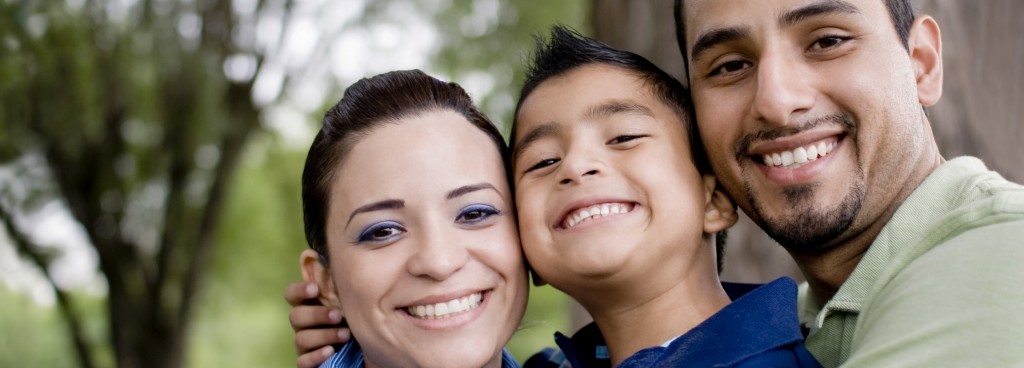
605	184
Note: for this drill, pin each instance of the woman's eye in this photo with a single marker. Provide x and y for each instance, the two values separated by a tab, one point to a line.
729	67
476	213
380	232
542	164
625	138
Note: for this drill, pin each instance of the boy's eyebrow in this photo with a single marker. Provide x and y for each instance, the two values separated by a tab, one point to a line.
466	189
718	36
541	131
616	107
387	204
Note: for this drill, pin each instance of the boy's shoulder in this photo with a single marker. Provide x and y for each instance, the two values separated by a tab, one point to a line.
761	318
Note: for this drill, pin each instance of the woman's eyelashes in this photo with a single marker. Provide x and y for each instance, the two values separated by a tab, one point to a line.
476	214
380	232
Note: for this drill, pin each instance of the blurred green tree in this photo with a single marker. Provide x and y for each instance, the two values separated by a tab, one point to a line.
139	112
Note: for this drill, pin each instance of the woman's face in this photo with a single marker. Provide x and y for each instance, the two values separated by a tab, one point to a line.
424	253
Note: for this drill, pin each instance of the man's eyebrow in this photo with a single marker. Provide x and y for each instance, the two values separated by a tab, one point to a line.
607	109
824	7
541	131
715	37
387	204
466	189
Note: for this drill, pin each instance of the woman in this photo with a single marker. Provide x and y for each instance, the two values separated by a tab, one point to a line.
409	215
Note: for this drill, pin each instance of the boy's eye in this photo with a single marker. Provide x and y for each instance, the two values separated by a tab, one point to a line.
476	213
542	164
625	138
381	231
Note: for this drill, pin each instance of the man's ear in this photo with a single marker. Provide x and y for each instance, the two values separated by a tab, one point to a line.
719	209
925	46
314	270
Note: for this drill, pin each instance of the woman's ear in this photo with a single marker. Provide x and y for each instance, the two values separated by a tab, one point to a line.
719	209
315	271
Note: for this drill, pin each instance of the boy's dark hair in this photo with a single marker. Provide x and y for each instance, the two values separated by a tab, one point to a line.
567	50
367	105
900	12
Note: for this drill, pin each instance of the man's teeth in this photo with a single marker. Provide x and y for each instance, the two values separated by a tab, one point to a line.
799	156
446	309
595	211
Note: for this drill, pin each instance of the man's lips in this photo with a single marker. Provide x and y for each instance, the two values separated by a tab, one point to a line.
796	157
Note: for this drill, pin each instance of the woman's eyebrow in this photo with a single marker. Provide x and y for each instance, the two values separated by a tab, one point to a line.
466	189
387	204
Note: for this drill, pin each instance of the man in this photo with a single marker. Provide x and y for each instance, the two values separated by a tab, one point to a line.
812	114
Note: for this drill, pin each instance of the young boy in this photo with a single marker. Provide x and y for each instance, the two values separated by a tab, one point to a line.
617	208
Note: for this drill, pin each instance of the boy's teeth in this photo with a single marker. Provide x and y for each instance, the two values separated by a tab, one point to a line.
446	309
595	211
797	157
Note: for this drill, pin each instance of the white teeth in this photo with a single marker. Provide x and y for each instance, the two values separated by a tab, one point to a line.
798	156
787	158
446	309
595	211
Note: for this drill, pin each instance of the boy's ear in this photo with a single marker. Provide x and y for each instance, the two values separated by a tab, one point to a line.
925	44
315	271
719	209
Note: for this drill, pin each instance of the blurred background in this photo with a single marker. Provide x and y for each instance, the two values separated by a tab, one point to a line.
150	153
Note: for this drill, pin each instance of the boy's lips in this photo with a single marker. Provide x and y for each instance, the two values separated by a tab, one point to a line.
584	213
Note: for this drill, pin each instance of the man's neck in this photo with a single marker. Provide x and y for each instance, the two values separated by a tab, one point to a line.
827	270
642	317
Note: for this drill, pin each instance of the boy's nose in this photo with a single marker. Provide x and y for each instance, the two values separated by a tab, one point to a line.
571	178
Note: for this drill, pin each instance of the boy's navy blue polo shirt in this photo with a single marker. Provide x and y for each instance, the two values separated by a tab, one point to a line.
758	329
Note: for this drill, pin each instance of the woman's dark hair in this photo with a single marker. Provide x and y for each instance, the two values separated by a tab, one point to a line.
369	104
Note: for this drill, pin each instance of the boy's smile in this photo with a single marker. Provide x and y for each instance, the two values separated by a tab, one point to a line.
605	184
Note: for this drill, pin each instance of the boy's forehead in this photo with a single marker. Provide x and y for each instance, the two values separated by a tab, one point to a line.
587	87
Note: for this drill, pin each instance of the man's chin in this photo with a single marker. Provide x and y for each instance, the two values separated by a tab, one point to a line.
805	227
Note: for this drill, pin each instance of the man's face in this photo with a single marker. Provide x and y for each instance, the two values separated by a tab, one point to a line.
809	110
605	186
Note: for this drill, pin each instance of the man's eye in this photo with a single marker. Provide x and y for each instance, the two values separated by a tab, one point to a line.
828	42
542	164
730	67
625	138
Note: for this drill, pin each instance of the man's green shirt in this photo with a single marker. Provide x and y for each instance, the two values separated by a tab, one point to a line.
941	286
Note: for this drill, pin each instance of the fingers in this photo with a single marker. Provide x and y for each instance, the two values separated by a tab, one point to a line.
313	359
311	340
302	293
310	316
